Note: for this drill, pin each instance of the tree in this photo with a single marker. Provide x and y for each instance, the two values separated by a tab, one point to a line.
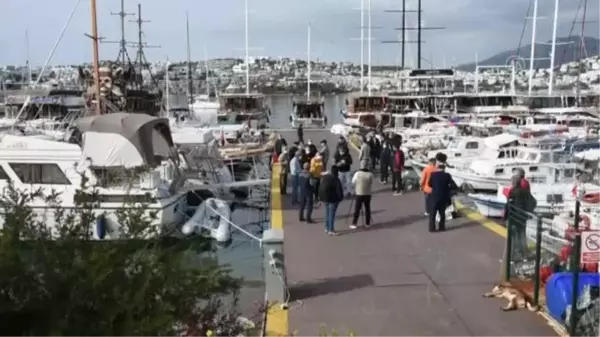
61	281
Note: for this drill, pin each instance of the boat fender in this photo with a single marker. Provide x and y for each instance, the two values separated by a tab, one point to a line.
591	198
101	226
291	119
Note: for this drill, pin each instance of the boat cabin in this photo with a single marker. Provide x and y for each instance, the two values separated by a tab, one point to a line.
309	109
416	119
478	129
488	104
364	103
242	103
401	104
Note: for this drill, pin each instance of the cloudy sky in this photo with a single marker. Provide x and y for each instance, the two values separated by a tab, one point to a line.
279	28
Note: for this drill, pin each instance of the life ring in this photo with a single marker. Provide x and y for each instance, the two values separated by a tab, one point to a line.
591	198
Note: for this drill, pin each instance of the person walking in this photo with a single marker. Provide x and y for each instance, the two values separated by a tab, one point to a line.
363	184
300	132
324	151
284	163
364	154
331	192
425	175
343	161
398	169
385	161
295	169
316	169
305	189
442	185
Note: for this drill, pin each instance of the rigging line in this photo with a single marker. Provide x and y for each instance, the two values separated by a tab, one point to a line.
571	31
518	51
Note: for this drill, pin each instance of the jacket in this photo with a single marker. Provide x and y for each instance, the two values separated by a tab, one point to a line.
363	182
386	157
365	152
316	167
442	185
305	187
398	161
425	175
341	145
279	144
295	166
284	162
330	189
346	165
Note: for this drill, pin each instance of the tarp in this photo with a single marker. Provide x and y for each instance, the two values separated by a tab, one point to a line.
149	136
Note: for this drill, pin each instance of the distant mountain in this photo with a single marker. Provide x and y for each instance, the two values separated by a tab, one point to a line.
565	53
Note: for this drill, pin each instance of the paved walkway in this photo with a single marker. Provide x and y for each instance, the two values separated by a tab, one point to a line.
396	278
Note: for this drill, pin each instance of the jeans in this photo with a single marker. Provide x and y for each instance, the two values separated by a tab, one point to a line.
295	183
426	202
346	181
359	201
306	203
397	181
330	209
437	207
315	183
385	172
519	240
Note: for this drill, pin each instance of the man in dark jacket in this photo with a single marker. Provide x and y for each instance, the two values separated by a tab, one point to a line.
398	168
374	152
331	193
306	193
385	161
300	134
341	143
442	185
343	160
519	204
279	144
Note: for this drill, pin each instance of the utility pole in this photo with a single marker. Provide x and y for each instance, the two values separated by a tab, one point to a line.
140	58
123	56
419	41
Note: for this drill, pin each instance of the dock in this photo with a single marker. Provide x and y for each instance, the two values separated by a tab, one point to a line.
394	278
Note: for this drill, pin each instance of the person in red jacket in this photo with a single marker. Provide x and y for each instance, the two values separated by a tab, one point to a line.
398	168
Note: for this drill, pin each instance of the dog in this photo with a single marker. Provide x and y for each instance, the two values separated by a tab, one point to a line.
516	298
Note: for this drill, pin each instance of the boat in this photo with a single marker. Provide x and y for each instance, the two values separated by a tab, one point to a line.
481	105
127	159
249	108
365	111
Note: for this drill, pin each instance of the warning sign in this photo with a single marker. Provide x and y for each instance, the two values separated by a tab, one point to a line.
590	247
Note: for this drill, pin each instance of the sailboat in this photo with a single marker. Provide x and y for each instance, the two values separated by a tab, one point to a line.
308	113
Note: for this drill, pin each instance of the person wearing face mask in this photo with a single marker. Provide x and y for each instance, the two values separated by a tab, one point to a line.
324	151
343	161
385	161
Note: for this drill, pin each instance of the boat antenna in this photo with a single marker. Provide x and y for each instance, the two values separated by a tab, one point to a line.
246	47
140	58
308	67
190	84
123	56
96	61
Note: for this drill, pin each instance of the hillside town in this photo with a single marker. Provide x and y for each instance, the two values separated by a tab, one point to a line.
289	75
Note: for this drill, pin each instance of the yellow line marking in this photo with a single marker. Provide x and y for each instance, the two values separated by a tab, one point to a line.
485	222
277	318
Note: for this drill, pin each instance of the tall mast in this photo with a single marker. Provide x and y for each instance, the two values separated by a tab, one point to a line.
369	46
123	57
532	55
206	70
29	77
190	84
362	46
308	66
419	29
553	51
96	61
247	55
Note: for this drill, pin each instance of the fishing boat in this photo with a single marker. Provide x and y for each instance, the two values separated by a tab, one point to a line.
365	111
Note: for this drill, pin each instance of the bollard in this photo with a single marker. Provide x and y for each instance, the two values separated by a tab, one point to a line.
275	279
538	256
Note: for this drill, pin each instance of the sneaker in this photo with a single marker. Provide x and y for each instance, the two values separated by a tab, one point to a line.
310	221
397	193
353	227
333	233
426	214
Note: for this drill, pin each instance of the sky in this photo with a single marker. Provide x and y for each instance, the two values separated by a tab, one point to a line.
279	28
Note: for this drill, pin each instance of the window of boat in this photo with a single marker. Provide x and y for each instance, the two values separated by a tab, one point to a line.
40	173
3	175
533	169
554	198
472	145
453	145
499	171
532	156
545	157
569	173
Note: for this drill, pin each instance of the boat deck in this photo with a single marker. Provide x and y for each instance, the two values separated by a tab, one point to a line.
395	278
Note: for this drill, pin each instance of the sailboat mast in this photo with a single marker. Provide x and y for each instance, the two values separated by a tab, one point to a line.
207	74
553	51
532	55
308	66
29	77
247	56
96	61
369	46
362	46
190	84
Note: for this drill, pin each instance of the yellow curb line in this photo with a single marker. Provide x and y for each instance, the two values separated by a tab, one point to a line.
277	318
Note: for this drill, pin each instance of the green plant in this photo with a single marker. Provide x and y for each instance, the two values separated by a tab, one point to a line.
56	279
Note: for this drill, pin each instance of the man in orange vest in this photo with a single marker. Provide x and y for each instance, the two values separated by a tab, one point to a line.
425	175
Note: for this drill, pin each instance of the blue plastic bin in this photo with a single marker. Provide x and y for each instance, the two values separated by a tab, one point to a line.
559	290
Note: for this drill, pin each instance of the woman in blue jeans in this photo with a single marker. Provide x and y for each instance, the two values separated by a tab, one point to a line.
331	194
